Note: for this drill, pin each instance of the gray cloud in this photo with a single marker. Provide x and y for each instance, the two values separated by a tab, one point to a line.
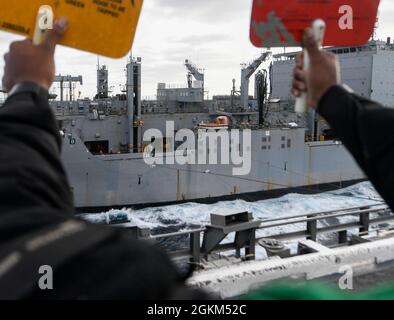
214	34
201	10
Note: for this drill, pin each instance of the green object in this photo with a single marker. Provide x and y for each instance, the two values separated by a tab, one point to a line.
318	291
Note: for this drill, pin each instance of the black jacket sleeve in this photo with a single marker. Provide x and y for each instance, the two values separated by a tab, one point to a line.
34	193
32	175
367	130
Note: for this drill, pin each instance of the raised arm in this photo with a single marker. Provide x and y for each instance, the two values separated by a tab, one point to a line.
367	130
32	177
365	127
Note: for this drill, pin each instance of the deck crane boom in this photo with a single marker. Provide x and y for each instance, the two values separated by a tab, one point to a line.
69	79
246	73
198	74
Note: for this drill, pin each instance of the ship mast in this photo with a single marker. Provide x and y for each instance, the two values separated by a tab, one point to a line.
134	103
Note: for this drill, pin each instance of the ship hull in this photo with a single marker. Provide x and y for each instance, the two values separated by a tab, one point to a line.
284	164
250	197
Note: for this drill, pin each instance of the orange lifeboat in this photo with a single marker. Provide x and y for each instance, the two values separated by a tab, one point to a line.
219	123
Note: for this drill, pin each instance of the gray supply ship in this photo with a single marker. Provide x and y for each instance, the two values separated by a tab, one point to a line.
103	138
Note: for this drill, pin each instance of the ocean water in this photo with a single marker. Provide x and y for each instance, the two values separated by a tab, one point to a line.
191	215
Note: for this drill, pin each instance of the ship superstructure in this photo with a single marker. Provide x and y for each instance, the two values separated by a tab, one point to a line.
103	150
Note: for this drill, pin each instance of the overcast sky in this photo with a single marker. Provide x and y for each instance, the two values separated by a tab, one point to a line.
214	34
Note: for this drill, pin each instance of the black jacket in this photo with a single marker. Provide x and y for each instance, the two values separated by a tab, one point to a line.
35	194
367	130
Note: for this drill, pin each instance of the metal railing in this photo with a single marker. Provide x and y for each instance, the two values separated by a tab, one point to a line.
309	229
312	230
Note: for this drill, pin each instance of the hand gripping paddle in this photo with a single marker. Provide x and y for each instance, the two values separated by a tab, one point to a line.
318	28
277	23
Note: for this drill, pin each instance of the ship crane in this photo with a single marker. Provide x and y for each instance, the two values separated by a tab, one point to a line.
70	79
246	73
198	74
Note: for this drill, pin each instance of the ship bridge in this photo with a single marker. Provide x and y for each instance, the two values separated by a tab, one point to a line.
366	69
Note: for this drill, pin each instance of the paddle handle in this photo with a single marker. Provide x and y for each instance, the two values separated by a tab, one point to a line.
318	28
44	19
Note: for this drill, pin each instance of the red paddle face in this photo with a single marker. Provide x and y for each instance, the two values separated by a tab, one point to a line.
278	23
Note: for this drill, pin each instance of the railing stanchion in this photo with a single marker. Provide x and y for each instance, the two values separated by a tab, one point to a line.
195	248
364	222
342	237
311	228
